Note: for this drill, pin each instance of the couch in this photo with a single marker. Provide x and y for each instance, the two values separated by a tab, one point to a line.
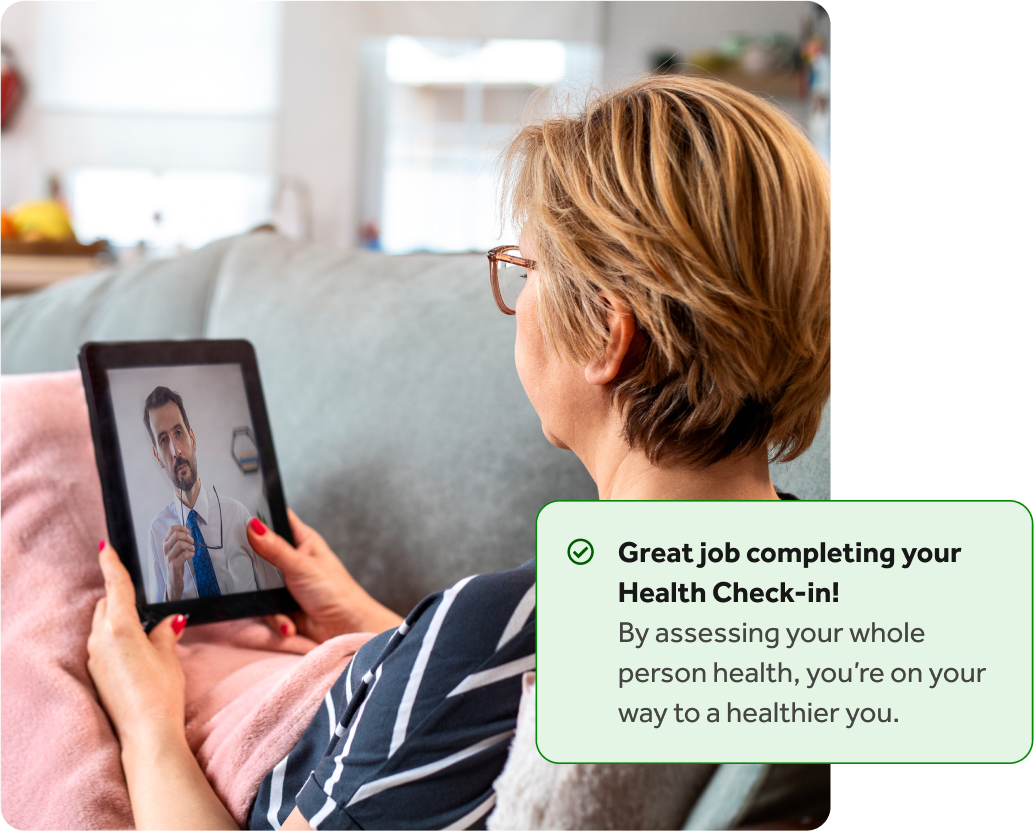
403	435
402	431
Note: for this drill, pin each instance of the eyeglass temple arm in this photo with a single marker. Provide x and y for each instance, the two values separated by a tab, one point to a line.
498	255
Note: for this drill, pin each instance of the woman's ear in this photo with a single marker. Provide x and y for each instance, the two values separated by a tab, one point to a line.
621	343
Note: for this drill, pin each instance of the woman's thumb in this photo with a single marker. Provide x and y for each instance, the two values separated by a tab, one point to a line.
167	633
282	624
270	546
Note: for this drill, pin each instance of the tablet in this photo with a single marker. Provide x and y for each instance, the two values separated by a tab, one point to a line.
186	459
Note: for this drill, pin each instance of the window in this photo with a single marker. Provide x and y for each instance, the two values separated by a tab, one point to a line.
166	210
218	58
160	117
439	112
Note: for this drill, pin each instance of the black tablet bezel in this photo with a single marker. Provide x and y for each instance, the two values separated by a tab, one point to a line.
95	360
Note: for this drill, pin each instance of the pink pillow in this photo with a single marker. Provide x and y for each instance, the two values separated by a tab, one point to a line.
60	763
250	693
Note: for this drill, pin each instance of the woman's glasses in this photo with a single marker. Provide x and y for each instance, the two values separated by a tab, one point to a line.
509	274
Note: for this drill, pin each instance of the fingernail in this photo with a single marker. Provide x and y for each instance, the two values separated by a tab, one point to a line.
285	630
257	526
100	545
178	623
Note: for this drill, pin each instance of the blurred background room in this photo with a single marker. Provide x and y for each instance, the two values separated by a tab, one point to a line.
143	130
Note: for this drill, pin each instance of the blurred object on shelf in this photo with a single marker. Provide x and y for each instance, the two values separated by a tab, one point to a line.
815	78
816	67
7	227
370	236
12	86
44	219
769	65
732	46
292	210
780	85
772	54
815	82
757	60
666	62
56	191
708	60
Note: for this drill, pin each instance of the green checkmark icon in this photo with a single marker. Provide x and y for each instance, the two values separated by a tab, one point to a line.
580	552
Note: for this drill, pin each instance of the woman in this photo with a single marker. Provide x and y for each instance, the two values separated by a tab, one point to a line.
672	330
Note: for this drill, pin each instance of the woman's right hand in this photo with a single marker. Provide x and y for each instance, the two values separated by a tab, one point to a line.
332	602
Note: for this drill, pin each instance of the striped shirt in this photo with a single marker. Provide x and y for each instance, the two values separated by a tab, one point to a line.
418	727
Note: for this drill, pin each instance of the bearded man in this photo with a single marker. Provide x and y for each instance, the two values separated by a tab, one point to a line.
199	541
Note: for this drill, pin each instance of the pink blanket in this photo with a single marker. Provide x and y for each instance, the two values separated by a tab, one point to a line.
250	693
247	705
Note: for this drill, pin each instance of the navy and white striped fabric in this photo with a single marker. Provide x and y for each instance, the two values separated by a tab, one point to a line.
418	727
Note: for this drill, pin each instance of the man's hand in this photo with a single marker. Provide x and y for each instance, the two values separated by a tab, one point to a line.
332	602
179	547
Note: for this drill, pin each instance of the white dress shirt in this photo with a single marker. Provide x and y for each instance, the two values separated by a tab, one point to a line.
237	567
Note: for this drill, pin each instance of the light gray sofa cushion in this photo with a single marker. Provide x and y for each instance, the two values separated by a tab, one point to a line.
403	433
42	332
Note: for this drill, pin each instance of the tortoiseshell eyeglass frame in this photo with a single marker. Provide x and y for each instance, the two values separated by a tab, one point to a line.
497	255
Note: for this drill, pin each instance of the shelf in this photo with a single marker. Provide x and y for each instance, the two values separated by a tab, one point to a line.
54	248
22	273
779	86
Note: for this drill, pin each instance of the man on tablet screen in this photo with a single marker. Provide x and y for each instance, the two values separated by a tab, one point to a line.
199	541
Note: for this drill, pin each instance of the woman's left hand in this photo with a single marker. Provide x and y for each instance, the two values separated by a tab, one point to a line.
138	676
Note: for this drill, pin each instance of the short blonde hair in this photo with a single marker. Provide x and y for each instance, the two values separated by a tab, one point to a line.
706	210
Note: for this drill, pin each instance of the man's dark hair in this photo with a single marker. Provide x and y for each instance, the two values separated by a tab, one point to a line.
159	397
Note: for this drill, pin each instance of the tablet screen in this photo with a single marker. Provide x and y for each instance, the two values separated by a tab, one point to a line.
186	460
191	465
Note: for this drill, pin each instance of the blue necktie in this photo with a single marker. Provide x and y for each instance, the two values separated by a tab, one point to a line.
204	571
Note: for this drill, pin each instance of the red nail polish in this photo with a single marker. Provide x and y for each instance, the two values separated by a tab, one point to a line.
178	623
257	526
285	630
100	545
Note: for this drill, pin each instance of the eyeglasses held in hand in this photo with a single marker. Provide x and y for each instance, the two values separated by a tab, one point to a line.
509	274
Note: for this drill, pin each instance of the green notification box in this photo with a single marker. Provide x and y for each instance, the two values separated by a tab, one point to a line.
740	632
